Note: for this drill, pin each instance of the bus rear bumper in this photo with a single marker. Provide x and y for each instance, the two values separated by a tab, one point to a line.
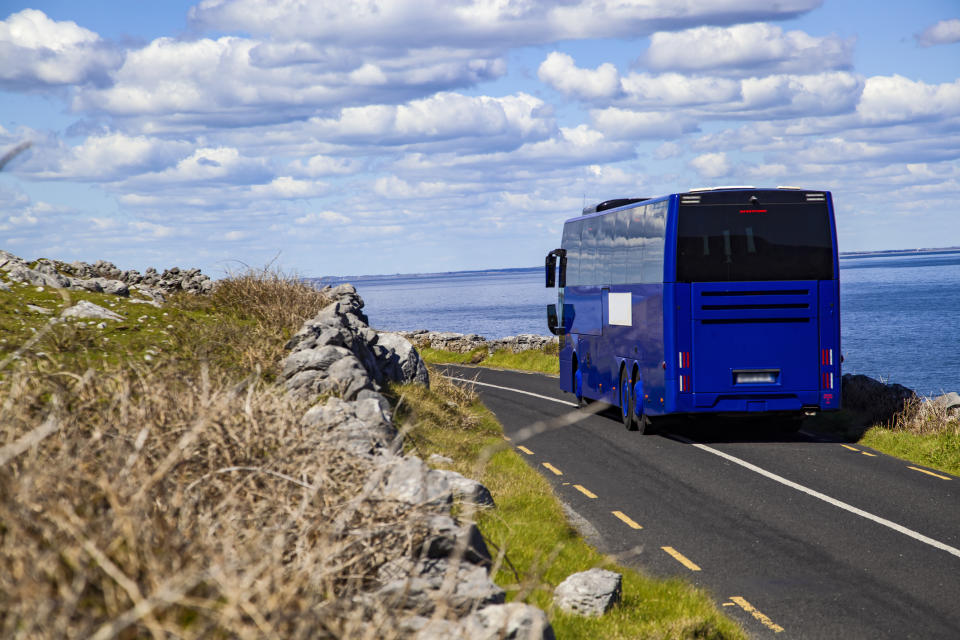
799	402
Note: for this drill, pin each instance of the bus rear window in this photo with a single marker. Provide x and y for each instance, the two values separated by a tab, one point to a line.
735	243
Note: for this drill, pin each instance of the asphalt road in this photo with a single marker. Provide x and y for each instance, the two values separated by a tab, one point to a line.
795	536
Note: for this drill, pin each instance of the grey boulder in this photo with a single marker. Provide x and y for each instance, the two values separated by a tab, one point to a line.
85	309
589	593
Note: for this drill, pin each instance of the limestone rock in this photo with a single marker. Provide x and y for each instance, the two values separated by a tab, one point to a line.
419	586
398	360
949	401
511	621
411	481
447	538
361	427
85	309
589	593
328	369
467	489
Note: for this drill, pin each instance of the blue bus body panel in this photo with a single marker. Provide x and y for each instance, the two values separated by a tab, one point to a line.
766	328
705	347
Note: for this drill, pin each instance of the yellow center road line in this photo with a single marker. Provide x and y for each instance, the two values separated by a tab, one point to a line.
867	453
625	518
846	446
584	491
525	450
553	469
682	559
764	620
929	473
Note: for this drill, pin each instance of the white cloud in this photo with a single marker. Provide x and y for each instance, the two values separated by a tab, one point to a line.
711	165
190	82
106	156
328	217
493	121
404	24
747	49
943	32
289	187
765	96
37	51
625	124
674	89
560	72
891	99
206	165
323	165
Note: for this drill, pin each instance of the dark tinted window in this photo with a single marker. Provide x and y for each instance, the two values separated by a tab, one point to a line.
732	242
588	251
655	227
618	269
571	242
636	239
605	240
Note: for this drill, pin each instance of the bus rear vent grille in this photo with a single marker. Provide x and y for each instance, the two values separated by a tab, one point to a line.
689	199
768	292
816	197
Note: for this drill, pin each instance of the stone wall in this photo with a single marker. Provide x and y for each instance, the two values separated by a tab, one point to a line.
445	587
465	343
104	277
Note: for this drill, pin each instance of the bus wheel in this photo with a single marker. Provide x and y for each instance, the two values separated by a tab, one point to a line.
626	402
578	388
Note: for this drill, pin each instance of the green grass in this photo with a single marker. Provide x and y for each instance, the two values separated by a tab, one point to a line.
529	528
541	361
936	450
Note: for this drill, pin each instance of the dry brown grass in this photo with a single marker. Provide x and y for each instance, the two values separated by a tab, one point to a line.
261	310
924	417
182	498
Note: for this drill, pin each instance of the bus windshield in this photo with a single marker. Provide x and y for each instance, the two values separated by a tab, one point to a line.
736	243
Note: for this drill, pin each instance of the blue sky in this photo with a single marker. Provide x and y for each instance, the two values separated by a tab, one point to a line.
398	136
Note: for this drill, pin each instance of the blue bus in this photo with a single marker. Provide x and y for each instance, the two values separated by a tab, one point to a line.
723	301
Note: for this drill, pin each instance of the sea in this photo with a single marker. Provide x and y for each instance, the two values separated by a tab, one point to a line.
900	312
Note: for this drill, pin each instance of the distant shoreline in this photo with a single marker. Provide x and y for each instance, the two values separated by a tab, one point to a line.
334	280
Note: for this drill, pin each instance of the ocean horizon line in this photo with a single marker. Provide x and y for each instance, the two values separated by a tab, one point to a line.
330	279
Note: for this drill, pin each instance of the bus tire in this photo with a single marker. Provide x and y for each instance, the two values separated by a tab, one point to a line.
626	401
578	385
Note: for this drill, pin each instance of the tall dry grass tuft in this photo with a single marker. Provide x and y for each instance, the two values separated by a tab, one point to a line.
137	503
182	498
274	299
926	417
262	309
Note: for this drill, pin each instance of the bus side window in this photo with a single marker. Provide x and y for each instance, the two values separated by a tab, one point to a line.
571	242
605	257
655	232
618	273
635	235
588	252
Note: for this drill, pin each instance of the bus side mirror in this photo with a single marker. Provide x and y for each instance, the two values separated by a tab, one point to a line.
551	266
553	323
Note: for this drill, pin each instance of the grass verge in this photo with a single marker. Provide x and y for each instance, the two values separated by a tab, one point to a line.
539	360
537	547
923	432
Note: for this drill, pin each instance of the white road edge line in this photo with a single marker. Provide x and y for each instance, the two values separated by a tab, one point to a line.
820	496
526	393
769	474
